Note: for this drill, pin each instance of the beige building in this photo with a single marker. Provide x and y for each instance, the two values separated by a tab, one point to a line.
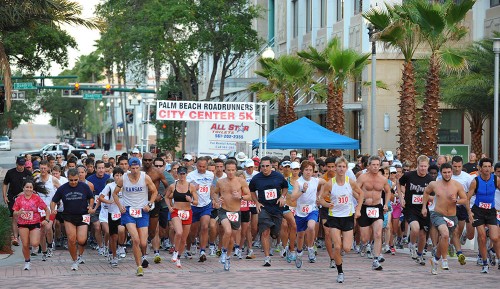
293	25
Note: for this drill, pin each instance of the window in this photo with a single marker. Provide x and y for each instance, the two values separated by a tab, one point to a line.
308	16
295	20
358	6
357	90
340	10
323	11
494	3
451	128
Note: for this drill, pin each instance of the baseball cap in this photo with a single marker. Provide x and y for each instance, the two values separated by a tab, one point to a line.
92	155
286	163
134	161
135	151
21	161
223	157
295	165
389	156
248	164
188	157
392	170
182	170
83	155
241	156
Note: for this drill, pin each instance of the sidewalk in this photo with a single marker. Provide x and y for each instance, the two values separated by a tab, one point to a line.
399	272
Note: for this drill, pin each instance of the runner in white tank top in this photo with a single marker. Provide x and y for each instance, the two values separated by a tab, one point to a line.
46	233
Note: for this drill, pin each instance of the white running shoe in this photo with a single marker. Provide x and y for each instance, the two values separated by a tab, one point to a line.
27	266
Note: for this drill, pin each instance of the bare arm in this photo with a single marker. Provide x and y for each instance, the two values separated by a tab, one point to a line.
245	191
152	189
325	191
463	200
425	198
116	199
296	193
358	194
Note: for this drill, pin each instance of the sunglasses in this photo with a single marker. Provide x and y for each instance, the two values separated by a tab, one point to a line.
158	166
393	173
147	160
183	173
73	180
264	166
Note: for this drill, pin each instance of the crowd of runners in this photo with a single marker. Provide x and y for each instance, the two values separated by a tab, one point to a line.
228	207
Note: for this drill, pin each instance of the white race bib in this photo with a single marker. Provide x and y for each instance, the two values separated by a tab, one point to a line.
116	216
372	213
304	210
86	219
270	194
244	204
204	189
135	212
42	213
449	222
343	200
183	215
486	206
26	215
232	216
252	204
417	199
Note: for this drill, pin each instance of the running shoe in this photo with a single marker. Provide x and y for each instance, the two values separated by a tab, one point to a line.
283	252
492	257
381	258
420	260
80	260
444	264
27	266
393	251
50	252
452	251
291	256
362	250
140	271
312	255
267	261
387	249
211	250
114	262
74	267
461	259
256	244
203	257
434	266
376	265
188	255
223	257
145	262
227	264
485	269
175	256
250	254
340	278
14	241
157	258
479	261
178	263
122	253
332	264
238	254
44	257
463	237
298	259
413	252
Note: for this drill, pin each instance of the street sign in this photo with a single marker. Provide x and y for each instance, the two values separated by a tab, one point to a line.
455	150
24	85
92	96
18	95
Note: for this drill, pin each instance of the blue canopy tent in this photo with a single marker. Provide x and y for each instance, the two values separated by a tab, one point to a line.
306	134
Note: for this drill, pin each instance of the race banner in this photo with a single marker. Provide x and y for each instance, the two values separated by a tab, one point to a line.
205	111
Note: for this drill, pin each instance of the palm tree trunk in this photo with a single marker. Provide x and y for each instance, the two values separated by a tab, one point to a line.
282	114
431	113
290	109
330	107
408	116
338	104
7	80
476	130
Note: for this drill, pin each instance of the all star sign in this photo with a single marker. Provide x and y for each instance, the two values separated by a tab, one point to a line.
205	111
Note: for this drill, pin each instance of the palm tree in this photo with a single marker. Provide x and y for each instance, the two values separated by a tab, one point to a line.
397	32
286	76
338	65
18	15
439	24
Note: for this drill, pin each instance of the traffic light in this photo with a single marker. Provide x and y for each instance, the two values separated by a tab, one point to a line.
76	90
2	99
108	89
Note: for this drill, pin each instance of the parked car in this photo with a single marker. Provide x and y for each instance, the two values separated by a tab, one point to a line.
5	143
85	144
54	149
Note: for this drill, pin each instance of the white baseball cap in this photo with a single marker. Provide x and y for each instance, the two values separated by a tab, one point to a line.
248	164
188	157
241	156
135	151
295	165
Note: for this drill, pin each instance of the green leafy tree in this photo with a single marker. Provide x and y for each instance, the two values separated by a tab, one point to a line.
438	25
169	132
338	65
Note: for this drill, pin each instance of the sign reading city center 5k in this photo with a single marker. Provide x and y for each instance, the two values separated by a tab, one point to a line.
205	111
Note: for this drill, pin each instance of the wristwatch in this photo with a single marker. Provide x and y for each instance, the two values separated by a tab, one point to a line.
150	205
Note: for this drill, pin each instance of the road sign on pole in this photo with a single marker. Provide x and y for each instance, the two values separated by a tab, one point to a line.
18	95
92	96
24	85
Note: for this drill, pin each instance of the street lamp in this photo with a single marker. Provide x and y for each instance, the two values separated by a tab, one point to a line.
496	50
371	31
268	53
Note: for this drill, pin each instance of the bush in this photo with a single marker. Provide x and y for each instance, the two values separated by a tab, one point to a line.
5	227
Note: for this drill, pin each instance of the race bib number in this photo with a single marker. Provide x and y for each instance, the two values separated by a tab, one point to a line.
252	204
42	213
417	199
26	215
449	222
304	210
135	212
372	213
244	203
498	216
116	216
86	219
270	194
183	215
232	216
343	200
486	206
204	189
